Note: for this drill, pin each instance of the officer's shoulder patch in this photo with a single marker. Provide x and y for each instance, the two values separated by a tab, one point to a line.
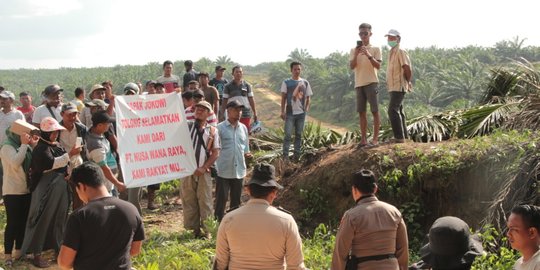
283	210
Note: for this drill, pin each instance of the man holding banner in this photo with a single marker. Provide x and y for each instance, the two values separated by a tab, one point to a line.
197	188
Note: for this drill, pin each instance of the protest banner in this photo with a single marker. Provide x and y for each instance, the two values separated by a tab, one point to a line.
153	139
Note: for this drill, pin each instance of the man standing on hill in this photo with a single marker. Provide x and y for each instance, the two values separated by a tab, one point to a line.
295	100
398	80
365	60
240	90
170	81
26	106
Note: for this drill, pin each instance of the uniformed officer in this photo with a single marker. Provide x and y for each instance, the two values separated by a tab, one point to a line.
258	235
372	231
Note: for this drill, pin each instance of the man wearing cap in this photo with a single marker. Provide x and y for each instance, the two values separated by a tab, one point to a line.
240	90
52	106
7	117
524	235
26	106
99	149
365	60
258	235
219	81
190	75
197	188
231	164
106	232
97	92
131	89
72	139
373	231
398	80
295	100
198	96
451	246
170	81
210	93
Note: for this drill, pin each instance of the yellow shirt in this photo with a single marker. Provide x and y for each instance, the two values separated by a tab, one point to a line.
364	72
395	79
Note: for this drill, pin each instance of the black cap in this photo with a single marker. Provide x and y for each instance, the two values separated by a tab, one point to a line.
198	93
220	68
69	108
235	104
264	175
102	117
187	94
51	89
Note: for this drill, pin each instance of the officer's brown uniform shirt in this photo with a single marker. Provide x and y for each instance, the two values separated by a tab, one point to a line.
372	228
258	236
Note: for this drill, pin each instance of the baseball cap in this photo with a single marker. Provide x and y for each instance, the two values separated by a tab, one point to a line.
49	124
220	68
235	104
204	104
7	94
150	82
97	103
131	89
393	33
51	89
264	175
187	94
96	87
203	74
69	108
102	117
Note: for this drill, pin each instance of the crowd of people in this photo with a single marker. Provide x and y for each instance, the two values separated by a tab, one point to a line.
67	159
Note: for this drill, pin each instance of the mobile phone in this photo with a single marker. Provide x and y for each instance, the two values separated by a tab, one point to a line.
358	43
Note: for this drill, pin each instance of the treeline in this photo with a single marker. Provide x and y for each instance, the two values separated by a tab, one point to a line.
443	78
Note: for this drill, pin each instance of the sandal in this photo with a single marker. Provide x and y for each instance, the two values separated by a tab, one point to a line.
40	262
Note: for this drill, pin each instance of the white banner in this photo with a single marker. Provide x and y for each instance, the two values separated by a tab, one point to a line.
153	139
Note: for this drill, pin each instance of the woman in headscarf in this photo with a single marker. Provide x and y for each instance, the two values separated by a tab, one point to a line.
50	194
16	155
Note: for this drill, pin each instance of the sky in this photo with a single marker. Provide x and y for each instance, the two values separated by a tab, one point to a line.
90	33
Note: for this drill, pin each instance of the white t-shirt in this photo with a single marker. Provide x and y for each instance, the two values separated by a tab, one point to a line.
532	264
42	112
6	119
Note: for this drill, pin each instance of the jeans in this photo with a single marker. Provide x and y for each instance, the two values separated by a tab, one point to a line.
295	121
396	115
225	186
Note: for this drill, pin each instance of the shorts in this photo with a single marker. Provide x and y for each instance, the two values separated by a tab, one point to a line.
367	93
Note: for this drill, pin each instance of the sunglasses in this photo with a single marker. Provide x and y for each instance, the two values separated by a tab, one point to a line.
364	33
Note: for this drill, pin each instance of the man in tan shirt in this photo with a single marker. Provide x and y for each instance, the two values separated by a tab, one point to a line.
258	235
365	60
373	231
398	80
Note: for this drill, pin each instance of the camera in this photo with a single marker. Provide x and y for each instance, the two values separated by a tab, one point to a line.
358	43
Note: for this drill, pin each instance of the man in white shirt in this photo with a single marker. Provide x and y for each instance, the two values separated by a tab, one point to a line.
52	106
523	227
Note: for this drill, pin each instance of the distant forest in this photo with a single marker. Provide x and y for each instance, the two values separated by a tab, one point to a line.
443	79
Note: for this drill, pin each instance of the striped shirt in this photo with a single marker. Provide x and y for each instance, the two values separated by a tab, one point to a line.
200	151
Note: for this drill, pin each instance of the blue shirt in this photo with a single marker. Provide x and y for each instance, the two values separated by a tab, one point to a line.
231	163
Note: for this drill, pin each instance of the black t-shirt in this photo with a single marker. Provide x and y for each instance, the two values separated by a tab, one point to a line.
102	232
219	85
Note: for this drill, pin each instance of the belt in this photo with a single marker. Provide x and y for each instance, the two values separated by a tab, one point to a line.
375	258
